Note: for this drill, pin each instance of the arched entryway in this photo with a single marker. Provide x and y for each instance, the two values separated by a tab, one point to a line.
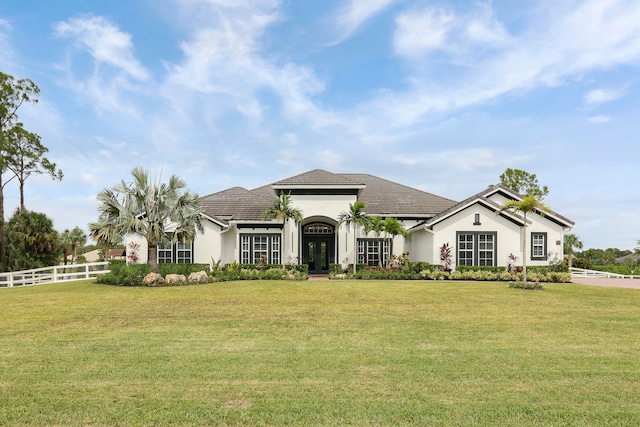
318	246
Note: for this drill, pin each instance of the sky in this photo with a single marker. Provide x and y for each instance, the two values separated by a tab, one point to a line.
442	96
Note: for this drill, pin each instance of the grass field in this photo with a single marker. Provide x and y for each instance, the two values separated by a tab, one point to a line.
320	353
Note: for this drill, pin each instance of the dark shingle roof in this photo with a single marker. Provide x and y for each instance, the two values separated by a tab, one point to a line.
236	203
318	177
383	197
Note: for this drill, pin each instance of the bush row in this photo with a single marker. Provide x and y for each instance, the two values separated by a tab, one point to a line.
133	274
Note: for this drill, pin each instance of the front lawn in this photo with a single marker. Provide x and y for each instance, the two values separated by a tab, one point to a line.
319	353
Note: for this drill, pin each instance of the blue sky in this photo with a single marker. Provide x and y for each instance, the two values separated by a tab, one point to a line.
438	95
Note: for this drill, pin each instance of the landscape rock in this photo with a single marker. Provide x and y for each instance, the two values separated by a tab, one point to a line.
199	277
173	279
153	279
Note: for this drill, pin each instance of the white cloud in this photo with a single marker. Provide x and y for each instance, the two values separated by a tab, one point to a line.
419	32
551	49
599	119
224	57
6	59
354	14
104	41
598	96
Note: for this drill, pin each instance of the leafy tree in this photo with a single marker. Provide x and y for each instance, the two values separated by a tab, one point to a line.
393	228
283	211
26	157
160	212
13	94
523	183
354	217
571	241
376	225
528	205
31	241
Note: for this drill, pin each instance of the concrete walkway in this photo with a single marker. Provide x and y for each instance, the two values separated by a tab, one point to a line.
611	283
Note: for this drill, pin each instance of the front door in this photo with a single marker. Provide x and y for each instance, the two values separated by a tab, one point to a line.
317	253
318	246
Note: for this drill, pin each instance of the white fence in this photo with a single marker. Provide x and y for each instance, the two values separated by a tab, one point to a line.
57	273
581	272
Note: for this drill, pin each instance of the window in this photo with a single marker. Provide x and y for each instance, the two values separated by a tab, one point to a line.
368	251
538	246
181	253
476	219
260	249
318	228
476	249
465	249
486	246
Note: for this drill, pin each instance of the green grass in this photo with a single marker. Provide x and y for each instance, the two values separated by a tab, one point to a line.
320	353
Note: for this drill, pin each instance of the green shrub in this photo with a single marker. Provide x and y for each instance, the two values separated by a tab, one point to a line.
492	269
124	275
528	285
181	268
420	266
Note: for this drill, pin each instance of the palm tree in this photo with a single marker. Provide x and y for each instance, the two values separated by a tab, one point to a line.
282	211
571	241
529	204
65	242
78	238
159	212
376	224
354	217
393	228
104	232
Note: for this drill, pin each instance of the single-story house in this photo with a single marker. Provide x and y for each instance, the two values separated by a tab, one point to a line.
475	229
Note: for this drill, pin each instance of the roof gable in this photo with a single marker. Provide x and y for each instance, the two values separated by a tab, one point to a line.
486	198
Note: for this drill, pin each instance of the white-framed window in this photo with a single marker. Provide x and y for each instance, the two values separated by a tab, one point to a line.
260	249
476	249
181	253
368	251
486	249
538	246
465	249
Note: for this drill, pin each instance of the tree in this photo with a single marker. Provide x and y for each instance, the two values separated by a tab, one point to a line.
282	211
354	217
65	242
13	93
31	241
522	182
162	213
529	204
26	157
78	238
104	232
571	241
393	228
376	224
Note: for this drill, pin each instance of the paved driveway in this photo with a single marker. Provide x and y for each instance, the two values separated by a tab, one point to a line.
612	283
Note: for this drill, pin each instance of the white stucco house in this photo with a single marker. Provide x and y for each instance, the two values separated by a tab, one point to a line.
477	232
